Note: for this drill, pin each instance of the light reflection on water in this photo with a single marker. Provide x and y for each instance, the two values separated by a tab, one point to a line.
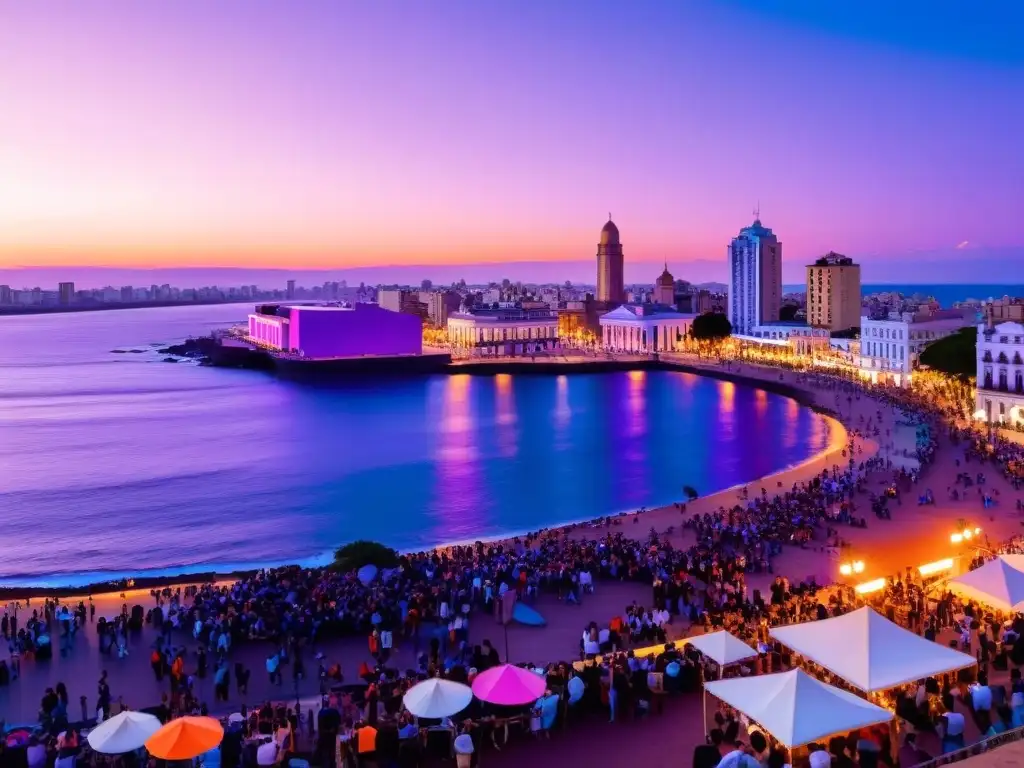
158	468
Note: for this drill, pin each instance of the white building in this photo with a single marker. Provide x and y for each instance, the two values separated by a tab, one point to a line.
755	278
644	328
1000	392
890	348
504	332
801	338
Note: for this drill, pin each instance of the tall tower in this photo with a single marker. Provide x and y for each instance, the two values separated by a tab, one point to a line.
755	278
611	287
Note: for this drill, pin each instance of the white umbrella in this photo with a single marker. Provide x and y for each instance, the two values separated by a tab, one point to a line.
123	733
436	698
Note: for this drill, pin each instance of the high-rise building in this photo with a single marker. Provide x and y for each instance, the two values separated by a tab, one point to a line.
291	290
126	293
66	293
6	295
833	293
610	281
755	278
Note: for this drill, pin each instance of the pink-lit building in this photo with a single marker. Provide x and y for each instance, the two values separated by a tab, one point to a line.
331	332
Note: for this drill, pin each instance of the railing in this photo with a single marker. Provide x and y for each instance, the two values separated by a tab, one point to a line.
1007	737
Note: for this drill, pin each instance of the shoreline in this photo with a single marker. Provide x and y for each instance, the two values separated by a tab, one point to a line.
837	441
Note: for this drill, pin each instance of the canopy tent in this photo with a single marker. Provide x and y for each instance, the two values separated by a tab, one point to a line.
436	698
123	733
869	651
998	583
797	709
722	648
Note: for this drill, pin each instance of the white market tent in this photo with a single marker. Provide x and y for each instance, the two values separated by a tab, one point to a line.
722	647
998	583
869	651
797	709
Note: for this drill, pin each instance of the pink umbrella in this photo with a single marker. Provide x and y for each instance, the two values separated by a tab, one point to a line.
509	686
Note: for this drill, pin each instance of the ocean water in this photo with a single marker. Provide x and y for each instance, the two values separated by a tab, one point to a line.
945	293
116	464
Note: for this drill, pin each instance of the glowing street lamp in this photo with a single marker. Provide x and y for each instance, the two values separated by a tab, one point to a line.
848	569
966	533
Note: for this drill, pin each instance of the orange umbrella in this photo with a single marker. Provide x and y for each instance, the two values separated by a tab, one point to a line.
185	738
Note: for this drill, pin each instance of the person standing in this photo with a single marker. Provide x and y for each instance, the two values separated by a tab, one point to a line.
103	698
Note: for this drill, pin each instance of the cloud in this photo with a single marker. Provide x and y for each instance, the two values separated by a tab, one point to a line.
964	244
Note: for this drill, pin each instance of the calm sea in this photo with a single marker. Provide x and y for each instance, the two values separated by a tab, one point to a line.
118	463
945	293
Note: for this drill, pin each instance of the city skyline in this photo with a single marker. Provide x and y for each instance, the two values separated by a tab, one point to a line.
352	136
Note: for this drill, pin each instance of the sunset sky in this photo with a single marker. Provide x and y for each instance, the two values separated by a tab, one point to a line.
331	134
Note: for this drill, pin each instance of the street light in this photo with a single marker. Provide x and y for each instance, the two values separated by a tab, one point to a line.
848	569
965	533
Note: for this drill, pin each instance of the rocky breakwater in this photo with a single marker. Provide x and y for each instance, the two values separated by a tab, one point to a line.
203	349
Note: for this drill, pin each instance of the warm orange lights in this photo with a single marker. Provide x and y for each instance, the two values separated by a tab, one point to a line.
938	566
848	569
870	586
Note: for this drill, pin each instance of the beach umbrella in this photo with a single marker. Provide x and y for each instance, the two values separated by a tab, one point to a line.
576	688
366	574
123	733
436	698
18	738
185	738
509	686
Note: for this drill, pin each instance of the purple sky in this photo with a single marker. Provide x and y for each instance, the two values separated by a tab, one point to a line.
326	134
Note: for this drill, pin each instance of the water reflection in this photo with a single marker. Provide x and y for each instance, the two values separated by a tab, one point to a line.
508	443
726	407
791	422
457	443
563	413
636	404
458	465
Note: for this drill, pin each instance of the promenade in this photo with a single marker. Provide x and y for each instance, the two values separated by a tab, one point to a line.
915	535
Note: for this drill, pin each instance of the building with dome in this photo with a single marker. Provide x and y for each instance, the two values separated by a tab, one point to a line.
611	285
665	288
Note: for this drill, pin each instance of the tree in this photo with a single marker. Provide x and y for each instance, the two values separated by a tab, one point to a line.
787	313
954	355
711	326
355	555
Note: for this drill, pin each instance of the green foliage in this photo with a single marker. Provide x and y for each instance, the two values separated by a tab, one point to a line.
711	326
954	355
788	312
355	555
